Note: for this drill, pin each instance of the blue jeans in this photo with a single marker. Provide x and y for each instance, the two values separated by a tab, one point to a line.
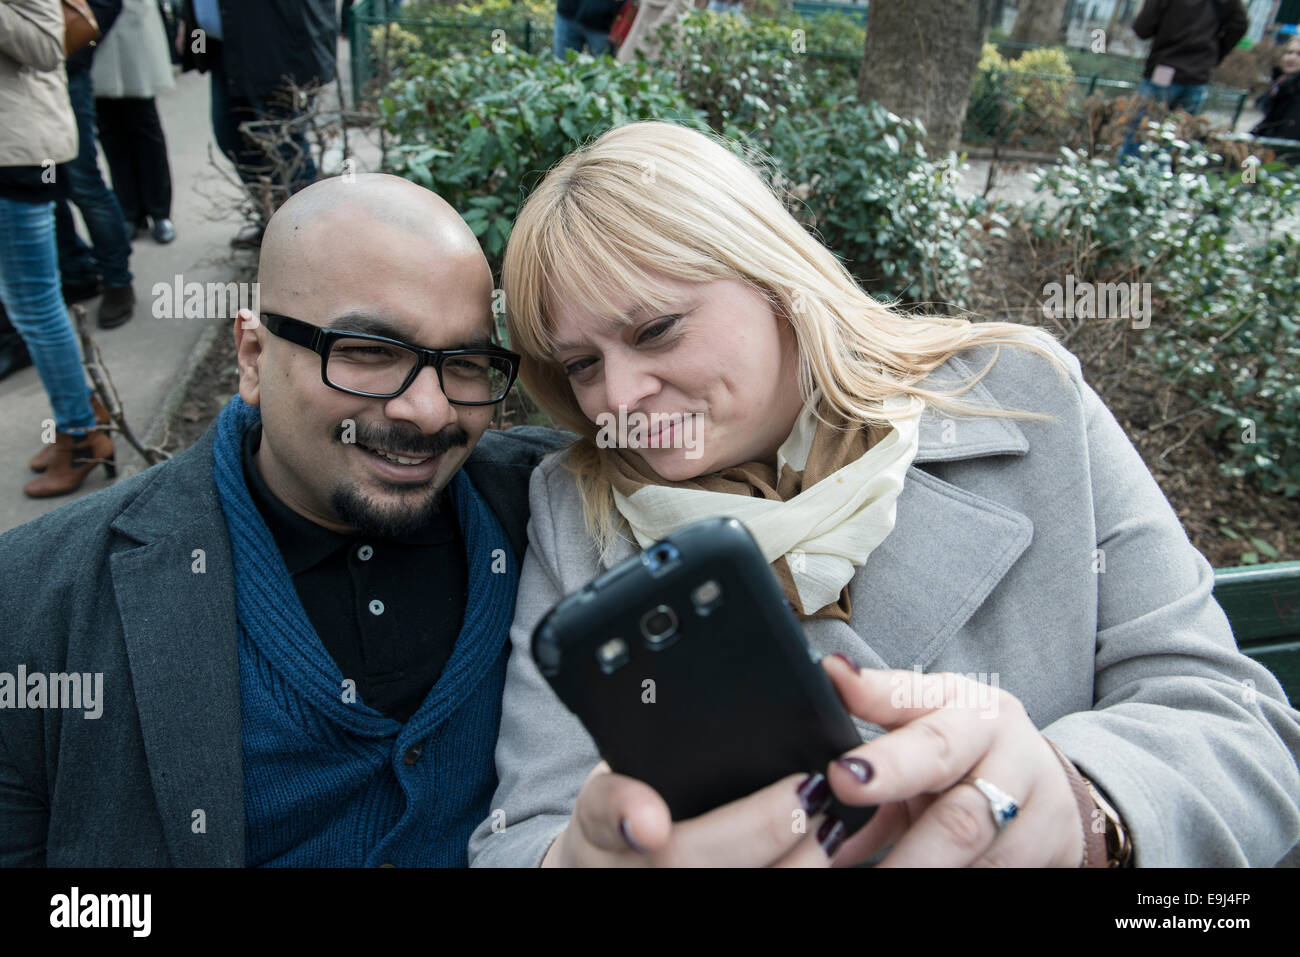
29	288
571	35
109	254
251	162
1176	96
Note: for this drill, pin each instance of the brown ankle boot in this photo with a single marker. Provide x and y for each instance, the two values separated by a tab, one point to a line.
75	456
41	461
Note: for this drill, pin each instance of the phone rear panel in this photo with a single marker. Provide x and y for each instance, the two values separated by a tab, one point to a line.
727	703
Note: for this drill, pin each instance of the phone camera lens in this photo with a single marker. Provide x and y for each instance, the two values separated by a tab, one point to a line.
660	555
659	624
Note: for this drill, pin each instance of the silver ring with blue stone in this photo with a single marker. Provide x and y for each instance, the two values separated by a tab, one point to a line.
1002	805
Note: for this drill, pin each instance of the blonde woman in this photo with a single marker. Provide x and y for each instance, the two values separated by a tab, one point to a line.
1006	602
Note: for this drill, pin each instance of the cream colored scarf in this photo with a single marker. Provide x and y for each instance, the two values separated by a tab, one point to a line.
817	517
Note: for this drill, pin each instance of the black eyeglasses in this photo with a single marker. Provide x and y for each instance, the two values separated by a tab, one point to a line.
377	367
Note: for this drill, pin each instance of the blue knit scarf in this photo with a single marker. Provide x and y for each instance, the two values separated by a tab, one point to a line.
328	780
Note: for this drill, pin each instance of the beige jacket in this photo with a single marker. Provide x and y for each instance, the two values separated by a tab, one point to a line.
36	121
651	15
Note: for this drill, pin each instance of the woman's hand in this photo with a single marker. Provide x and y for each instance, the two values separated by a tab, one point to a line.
915	773
622	822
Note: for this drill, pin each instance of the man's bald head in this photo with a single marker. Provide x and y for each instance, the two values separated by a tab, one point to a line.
320	225
379	256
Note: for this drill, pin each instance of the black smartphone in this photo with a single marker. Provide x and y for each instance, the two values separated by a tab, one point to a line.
688	668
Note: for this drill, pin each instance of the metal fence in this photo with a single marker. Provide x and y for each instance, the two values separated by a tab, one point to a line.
371	42
1041	112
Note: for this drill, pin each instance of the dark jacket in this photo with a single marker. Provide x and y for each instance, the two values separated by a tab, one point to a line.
592	14
265	41
105	11
107	584
1192	36
1281	106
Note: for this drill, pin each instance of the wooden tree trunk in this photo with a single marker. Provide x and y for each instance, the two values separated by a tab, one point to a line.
920	61
1039	22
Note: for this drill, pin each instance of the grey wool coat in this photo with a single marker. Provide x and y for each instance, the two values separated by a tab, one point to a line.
1132	670
107	584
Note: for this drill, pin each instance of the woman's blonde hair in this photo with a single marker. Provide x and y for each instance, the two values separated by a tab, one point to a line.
652	199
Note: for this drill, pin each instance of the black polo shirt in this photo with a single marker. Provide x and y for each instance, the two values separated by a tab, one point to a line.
387	610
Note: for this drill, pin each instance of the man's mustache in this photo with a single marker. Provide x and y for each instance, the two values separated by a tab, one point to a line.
403	440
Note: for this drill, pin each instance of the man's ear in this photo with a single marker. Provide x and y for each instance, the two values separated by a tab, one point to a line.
248	354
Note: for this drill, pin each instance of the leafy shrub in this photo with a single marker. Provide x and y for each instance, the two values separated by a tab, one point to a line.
1224	284
891	214
826	49
830	43
736	72
403	45
1025	96
481	131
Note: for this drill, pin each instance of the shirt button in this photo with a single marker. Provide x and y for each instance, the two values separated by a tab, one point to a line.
376	607
364	553
412	755
387	865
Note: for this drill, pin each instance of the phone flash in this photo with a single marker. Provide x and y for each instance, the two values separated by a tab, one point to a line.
707	597
612	654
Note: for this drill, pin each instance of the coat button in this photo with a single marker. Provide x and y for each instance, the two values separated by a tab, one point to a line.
412	755
386	864
376	607
364	553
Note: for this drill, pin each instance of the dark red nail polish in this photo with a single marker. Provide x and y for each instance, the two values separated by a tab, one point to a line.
860	769
831	835
814	793
627	836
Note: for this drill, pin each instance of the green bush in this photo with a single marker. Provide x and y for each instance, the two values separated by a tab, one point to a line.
891	214
725	55
481	131
1014	98
1224	284
829	46
734	71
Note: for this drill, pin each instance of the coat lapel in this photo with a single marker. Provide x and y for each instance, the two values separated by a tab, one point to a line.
949	547
175	594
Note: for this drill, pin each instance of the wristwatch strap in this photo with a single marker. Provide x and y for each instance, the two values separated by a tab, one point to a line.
1094	835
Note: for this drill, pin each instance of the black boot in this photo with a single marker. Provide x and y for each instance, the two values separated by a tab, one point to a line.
116	307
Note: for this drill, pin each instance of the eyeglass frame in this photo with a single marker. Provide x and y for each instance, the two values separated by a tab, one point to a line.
321	340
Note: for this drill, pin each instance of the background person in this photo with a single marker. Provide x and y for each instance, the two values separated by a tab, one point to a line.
1189	38
650	16
1281	101
965	483
583	25
105	262
253	50
132	66
38	128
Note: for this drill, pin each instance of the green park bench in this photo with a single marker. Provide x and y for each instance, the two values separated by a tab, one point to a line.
1262	603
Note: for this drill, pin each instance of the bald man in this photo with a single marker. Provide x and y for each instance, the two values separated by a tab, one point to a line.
286	646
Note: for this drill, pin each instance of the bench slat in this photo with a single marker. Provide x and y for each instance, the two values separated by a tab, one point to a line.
1261	602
